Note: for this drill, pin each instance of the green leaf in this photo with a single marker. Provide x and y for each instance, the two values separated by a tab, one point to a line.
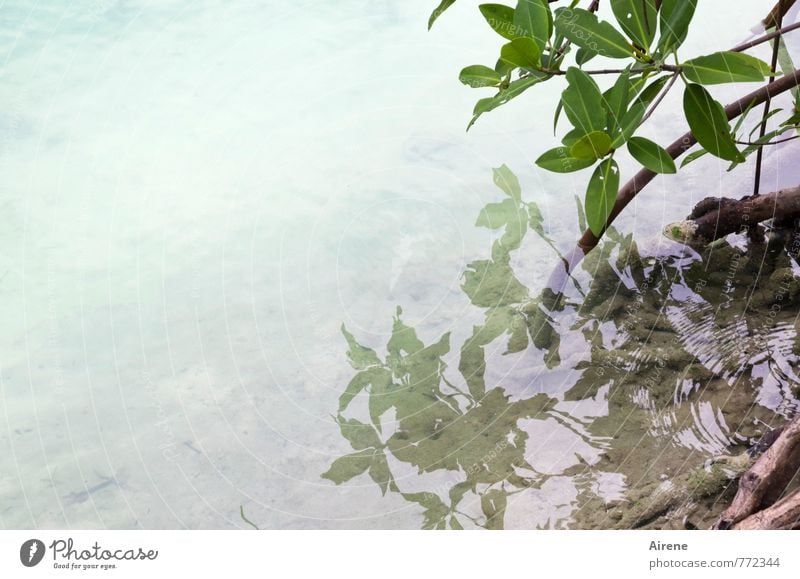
443	5
787	66
349	466
572	137
502	67
593	146
513	90
583	56
650	92
560	160
582	225
630	122
676	15
559	108
651	155
615	101
583	103
534	20
639	20
722	67
693	156
708	123
500	18
505	179
478	75
601	195
583	29
522	52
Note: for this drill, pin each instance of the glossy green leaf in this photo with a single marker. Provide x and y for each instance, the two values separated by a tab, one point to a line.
708	123
592	146
583	56
584	29
693	156
533	19
787	66
676	15
601	195
630	122
650	92
722	67
500	18
638	19
502	67
651	155
583	103
513	90
572	137
522	52
557	114
559	160
477	76
443	5
615	101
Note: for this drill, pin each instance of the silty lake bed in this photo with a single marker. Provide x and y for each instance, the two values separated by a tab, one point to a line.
250	259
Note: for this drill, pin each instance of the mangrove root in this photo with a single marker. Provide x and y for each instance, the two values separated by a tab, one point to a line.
764	483
714	218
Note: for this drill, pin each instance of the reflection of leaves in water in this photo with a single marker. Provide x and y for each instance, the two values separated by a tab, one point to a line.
635	367
438	426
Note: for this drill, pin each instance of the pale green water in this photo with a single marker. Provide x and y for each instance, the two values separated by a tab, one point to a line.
194	200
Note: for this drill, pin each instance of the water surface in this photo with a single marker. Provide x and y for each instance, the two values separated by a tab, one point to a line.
196	197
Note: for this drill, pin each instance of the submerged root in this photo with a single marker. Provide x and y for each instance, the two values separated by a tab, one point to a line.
762	485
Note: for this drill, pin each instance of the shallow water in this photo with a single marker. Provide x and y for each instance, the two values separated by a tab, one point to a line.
196	198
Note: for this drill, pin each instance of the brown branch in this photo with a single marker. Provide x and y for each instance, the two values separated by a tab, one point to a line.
777	13
785	514
767	478
765	38
714	218
639	181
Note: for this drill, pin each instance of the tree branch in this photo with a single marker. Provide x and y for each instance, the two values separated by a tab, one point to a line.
629	191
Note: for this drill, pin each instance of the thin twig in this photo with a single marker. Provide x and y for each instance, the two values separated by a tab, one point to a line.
757	144
765	38
660	97
773	67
